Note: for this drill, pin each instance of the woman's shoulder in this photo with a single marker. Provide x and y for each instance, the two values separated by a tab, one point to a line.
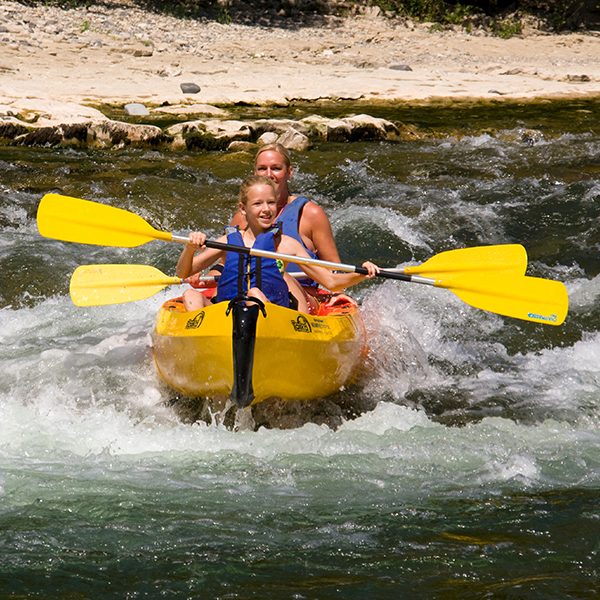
287	244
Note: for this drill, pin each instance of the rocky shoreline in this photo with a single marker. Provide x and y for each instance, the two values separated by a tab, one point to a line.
203	134
61	72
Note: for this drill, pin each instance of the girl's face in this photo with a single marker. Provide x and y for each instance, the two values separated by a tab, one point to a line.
260	208
272	165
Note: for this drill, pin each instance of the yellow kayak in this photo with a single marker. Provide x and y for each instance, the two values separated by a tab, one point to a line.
277	352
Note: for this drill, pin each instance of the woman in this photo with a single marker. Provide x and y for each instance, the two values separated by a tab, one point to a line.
258	205
301	218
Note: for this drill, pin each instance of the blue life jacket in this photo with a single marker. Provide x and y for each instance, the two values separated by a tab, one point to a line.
289	221
242	272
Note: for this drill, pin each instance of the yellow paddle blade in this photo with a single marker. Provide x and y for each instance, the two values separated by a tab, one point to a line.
97	285
511	258
528	298
76	220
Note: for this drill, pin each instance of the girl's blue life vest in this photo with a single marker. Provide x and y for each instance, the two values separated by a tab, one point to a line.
242	272
289	221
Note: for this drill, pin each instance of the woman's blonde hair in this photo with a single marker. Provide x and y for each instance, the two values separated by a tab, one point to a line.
251	182
276	147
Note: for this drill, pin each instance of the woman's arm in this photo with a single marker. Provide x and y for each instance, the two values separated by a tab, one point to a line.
336	282
314	225
332	281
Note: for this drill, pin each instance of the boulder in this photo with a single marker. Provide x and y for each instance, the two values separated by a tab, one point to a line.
210	134
135	109
192	109
240	146
294	140
268	137
106	134
366	127
331	130
279	126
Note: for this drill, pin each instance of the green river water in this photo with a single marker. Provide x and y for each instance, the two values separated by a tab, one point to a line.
475	471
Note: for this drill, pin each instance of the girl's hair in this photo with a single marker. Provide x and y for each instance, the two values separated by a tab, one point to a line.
276	147
252	181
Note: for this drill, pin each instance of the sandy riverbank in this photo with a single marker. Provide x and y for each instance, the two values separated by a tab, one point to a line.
60	61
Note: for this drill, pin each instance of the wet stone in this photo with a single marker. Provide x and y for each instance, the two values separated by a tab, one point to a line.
189	88
136	109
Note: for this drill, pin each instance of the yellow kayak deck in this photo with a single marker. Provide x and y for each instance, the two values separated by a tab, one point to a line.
296	356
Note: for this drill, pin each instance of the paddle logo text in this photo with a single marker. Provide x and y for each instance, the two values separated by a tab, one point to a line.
550	318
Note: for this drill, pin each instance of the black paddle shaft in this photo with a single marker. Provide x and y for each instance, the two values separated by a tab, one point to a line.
385	274
307	261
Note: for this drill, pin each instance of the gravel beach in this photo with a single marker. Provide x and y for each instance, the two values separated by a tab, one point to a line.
58	62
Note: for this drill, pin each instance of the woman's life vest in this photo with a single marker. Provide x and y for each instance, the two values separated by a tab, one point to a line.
242	272
289	220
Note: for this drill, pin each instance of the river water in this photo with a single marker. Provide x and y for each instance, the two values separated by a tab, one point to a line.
475	474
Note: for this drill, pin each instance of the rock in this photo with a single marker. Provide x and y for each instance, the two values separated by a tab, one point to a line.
137	51
578	78
400	67
531	137
99	134
515	71
11	129
173	71
229	129
338	130
294	140
268	137
143	51
331	130
136	109
211	134
366	127
365	64
279	126
189	88
108	134
240	146
193	109
52	112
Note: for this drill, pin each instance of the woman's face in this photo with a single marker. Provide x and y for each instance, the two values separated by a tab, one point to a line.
260	208
272	165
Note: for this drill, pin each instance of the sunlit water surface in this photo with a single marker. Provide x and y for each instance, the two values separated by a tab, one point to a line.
475	473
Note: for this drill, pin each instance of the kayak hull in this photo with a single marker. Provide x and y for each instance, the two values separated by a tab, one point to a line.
296	356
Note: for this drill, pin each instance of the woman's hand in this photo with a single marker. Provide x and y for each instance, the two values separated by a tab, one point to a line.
197	239
372	268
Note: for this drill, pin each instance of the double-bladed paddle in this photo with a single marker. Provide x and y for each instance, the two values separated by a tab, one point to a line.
486	277
86	222
528	298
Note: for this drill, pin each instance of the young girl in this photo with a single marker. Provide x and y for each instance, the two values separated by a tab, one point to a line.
268	282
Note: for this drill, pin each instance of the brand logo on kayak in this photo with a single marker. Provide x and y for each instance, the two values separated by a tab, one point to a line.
318	324
550	318
301	324
195	322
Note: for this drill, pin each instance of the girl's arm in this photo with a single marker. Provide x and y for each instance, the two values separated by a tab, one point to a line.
189	262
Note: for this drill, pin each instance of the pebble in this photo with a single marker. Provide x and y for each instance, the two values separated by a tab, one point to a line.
189	88
136	109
